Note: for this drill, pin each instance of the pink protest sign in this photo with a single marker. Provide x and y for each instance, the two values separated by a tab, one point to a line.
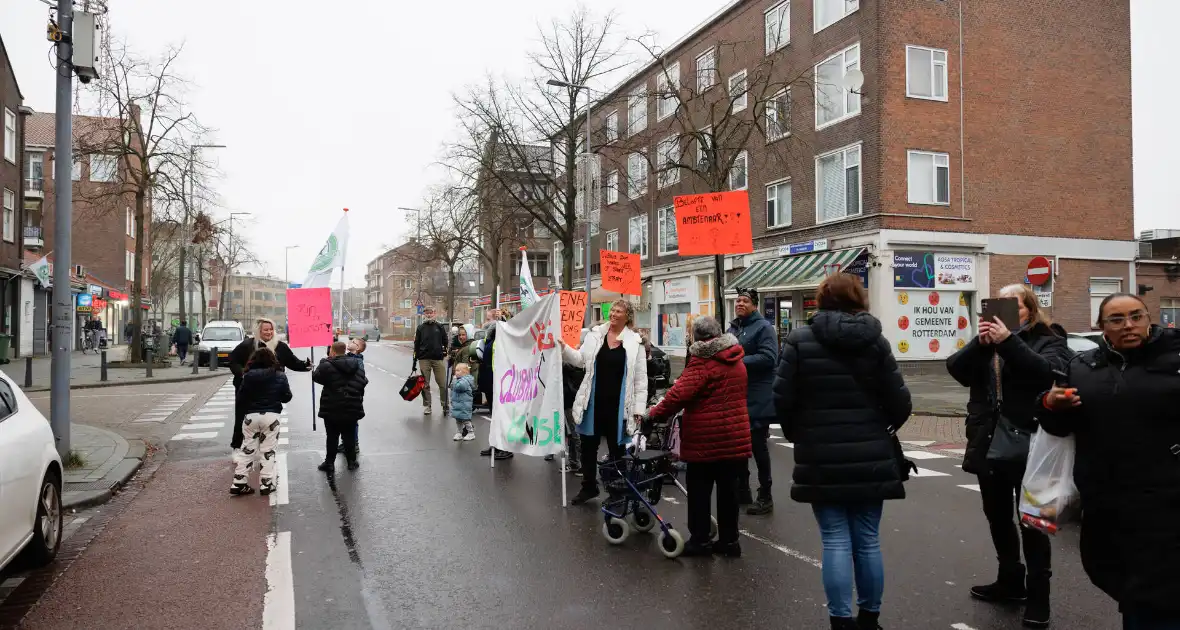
309	317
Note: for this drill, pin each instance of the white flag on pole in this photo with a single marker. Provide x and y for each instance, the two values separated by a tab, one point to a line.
41	270
526	382
330	257
528	295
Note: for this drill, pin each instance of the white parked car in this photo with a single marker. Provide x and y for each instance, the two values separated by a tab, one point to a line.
220	338
30	480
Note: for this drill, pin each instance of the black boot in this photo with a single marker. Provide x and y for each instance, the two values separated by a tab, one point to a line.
1036	609
844	623
866	620
584	495
1008	587
764	504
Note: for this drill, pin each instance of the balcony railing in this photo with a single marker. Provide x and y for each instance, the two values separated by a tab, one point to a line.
35	186
33	237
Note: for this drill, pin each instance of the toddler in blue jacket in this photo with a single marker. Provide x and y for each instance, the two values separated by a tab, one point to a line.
462	401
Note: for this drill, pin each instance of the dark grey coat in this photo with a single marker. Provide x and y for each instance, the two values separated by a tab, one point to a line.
758	342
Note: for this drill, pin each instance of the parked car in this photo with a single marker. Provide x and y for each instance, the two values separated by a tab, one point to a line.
30	481
220	338
1081	342
368	332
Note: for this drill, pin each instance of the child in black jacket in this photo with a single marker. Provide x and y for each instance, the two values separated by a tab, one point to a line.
342	403
263	391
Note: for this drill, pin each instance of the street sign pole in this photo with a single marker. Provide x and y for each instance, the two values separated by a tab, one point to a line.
63	306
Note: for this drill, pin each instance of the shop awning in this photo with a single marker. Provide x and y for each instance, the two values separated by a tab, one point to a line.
795	272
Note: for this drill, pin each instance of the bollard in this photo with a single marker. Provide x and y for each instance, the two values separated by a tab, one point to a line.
103	371
28	372
196	364
149	363
213	360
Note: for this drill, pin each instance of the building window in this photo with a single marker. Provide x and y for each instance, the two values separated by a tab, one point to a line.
636	175
834	101
130	259
827	12
837	184
102	168
778	26
739	173
558	263
612	187
925	73
738	93
407	284
9	216
1169	312
540	231
612	240
1099	289
9	135
668	91
706	69
637	236
538	264
131	222
929	178
406	303
579	256
637	110
778	116
667	161
778	204
612	126
704	145
76	169
666	230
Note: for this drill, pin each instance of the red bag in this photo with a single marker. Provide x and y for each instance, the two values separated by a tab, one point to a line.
415	383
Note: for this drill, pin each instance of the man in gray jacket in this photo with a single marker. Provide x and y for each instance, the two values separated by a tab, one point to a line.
758	340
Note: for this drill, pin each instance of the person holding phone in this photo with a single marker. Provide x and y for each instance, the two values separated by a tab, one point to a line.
1006	370
1119	400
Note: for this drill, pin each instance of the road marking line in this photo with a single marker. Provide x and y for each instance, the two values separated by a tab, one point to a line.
961	626
12	582
278	604
219	404
918	442
284	420
787	550
194	436
786	444
956	451
926	472
671	500
284	429
209	416
777	437
284	441
202	425
777	426
970	486
280	497
923	455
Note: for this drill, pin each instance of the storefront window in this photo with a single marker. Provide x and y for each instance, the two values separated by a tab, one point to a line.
1169	312
674	325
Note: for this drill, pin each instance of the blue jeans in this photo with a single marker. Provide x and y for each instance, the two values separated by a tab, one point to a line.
851	547
1139	620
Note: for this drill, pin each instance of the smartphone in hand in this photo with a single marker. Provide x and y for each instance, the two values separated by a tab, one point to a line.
1007	309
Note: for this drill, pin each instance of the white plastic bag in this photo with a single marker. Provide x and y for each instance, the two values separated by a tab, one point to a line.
1048	496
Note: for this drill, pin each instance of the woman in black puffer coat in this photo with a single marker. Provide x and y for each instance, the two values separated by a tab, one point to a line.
838	395
1027	359
1124	416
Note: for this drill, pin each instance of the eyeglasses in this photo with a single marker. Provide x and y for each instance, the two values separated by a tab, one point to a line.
1121	320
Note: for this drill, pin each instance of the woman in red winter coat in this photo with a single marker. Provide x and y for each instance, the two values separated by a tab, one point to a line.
714	434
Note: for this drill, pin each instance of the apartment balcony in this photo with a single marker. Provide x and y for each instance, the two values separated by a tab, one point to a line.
34	188
33	238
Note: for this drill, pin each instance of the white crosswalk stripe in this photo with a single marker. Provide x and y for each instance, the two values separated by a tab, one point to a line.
194	436
924	455
202	425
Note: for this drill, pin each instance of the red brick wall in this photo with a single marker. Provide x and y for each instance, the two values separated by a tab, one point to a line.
1071	286
11	174
1163	286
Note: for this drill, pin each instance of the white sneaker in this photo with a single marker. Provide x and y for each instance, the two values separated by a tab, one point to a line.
470	436
458	436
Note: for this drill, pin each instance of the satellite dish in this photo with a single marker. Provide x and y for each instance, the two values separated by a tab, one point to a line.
854	80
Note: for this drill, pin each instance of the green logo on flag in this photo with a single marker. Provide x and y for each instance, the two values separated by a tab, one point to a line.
327	256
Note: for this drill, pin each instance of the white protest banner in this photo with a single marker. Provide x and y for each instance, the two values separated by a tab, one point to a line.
526	382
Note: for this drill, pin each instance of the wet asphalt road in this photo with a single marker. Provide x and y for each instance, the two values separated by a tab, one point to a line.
425	535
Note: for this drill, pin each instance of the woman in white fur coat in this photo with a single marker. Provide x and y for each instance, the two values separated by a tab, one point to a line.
613	395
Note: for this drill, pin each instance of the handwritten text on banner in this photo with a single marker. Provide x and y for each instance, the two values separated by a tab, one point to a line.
573	313
309	314
620	272
714	223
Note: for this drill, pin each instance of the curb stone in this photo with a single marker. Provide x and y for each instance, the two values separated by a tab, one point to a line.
145	381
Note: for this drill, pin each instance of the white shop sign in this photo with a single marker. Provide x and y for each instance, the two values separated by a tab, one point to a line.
678	290
930	324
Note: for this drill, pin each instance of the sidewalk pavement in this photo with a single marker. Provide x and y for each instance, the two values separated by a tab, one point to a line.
109	460
86	372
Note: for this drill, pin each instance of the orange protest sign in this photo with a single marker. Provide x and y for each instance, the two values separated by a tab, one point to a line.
620	272
573	313
714	223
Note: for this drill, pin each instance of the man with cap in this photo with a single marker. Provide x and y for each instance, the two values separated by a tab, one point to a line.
758	340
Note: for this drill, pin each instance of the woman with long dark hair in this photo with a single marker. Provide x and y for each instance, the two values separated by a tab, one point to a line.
261	396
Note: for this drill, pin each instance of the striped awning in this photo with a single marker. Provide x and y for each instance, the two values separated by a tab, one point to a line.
794	272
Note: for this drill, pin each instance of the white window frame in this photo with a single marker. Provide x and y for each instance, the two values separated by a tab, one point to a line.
860	176
854	4
744	159
777	116
407	284
612	187
612	126
780	14
778	207
668	151
846	94
666	214
579	255
936	157
706	74
634	192
131	265
132	223
643	242
612	240
934	83
668	91
558	263
10	135
9	200
76	169
406	303
638	97
739	104
97	158
1113	285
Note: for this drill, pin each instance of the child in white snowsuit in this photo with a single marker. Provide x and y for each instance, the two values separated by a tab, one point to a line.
264	390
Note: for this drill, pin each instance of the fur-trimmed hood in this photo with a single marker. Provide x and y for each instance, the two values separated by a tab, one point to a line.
273	344
719	348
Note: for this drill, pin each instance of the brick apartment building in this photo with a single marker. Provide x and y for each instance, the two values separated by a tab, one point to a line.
398	279
248	298
354	303
937	181
1158	273
16	286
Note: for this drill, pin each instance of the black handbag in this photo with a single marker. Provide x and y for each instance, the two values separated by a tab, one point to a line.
1009	443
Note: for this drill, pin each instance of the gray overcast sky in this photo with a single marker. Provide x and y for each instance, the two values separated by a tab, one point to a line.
324	108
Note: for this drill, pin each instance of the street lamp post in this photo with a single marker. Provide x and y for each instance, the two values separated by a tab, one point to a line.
228	263
188	206
418	288
586	203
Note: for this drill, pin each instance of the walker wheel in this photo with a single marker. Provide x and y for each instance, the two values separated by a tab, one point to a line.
616	531
671	543
640	519
712	527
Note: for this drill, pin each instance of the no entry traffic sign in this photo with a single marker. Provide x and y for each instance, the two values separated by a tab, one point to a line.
1039	270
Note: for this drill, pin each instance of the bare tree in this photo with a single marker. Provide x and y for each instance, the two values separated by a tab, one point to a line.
442	227
522	140
167	244
229	251
149	142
